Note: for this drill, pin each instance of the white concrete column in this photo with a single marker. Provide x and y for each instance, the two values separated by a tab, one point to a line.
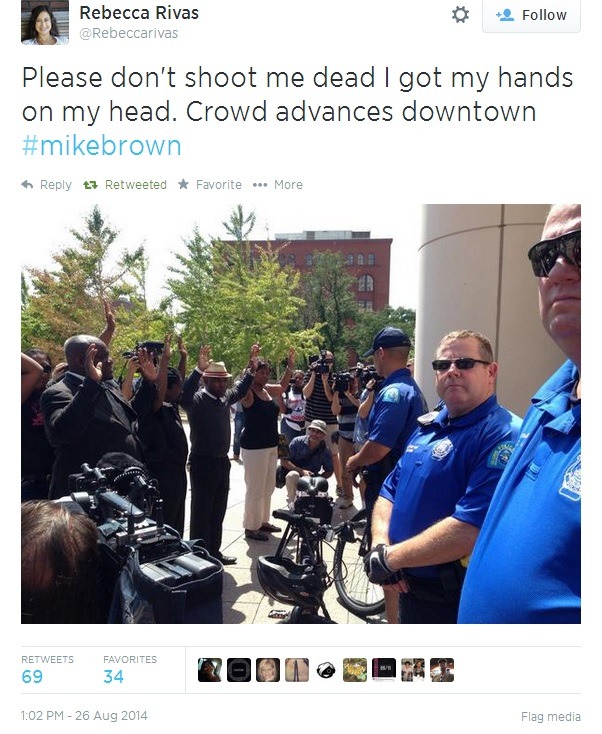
474	274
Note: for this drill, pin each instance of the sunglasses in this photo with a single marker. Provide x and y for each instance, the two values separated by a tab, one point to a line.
46	368
544	254
463	363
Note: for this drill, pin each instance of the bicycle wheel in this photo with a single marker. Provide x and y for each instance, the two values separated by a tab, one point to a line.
356	593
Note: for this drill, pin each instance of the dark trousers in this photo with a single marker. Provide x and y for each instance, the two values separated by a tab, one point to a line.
173	485
210	483
430	601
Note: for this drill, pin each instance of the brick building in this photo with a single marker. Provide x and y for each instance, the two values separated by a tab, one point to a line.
368	260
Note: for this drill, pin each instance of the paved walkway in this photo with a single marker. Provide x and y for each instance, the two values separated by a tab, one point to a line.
244	600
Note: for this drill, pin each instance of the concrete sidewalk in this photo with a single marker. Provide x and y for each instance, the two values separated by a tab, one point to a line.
244	600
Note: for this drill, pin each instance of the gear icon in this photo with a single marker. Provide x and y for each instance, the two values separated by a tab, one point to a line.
460	14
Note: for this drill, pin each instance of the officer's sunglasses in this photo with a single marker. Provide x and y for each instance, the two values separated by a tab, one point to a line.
544	254
463	363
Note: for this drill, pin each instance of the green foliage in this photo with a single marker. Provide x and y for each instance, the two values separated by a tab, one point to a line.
327	290
369	323
238	226
231	295
68	298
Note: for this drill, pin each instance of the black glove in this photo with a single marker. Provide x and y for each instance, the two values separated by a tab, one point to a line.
378	569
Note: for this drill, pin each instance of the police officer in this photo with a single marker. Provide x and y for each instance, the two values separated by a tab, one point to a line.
526	567
432	505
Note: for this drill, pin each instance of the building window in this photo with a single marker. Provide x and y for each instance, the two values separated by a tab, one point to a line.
349	259
371	259
309	260
365	283
360	259
365	305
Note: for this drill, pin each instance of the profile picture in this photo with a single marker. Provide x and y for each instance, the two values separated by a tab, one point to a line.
442	670
267	670
418	670
296	670
239	670
355	670
44	24
209	670
407	670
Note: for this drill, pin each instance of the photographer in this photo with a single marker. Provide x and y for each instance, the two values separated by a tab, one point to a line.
308	457
292	424
345	404
318	392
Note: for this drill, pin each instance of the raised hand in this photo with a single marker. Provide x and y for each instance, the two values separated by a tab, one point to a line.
204	353
147	366
93	368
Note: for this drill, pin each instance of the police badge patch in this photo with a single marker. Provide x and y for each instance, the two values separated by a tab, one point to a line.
500	455
390	395
571	482
441	449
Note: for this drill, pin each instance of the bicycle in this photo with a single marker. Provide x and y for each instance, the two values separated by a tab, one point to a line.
301	581
356	593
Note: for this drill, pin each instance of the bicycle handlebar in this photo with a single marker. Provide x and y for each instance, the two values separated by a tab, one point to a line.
294	518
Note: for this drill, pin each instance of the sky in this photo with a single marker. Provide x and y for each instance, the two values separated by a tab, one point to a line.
160	223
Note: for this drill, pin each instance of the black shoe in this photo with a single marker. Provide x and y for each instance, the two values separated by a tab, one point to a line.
225	560
256	535
267	527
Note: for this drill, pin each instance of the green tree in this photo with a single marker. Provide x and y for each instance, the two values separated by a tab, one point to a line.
231	294
67	298
361	334
238	226
327	290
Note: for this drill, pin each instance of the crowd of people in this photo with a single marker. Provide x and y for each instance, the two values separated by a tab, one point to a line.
452	495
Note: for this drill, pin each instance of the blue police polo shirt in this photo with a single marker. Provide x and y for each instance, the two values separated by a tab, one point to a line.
396	407
526	565
300	454
449	469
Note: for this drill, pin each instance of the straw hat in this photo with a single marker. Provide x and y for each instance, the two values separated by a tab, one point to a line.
216	369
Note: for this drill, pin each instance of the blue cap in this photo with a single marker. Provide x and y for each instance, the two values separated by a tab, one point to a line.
388	338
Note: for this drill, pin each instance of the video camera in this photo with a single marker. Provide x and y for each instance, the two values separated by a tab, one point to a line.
342	382
150	346
320	363
120	501
369	373
160	577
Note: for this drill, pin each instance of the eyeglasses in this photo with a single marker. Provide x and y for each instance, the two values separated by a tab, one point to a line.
463	363
46	368
544	254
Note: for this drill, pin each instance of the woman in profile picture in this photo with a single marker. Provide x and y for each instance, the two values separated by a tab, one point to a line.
42	29
207	672
267	671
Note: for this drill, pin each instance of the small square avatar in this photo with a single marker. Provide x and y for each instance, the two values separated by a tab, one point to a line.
442	670
267	670
296	670
355	670
209	670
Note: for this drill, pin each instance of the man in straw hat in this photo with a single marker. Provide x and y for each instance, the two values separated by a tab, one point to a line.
207	405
